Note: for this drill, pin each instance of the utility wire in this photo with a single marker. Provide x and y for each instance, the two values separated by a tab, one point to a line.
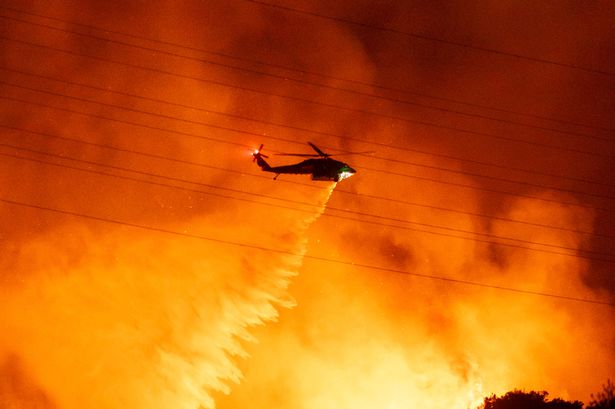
307	256
303	72
337	261
386	172
318	103
489	190
433	39
297	128
237	130
262	176
150	182
154	156
296	202
107	118
474	214
311	83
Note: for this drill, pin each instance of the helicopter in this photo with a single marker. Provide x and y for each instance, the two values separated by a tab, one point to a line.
322	167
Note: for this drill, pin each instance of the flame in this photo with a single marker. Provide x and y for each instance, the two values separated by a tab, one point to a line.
364	339
107	315
141	331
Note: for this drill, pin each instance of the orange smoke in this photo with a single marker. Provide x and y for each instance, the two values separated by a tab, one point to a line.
143	330
172	249
364	338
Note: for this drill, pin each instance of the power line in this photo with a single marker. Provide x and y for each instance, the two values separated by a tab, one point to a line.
295	202
151	155
287	252
386	172
496	178
303	72
315	84
72	111
237	130
432	39
489	190
320	103
474	214
508	289
149	182
315	132
338	190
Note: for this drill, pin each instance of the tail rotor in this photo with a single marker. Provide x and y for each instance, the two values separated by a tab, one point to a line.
257	153
257	157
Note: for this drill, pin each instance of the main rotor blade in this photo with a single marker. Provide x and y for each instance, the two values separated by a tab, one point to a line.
320	153
303	155
352	153
326	155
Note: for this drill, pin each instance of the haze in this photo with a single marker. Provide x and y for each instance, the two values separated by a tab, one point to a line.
147	262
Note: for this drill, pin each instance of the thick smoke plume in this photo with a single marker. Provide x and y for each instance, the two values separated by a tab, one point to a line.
362	339
99	321
157	311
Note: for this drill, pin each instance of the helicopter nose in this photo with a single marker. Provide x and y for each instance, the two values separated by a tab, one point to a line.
345	173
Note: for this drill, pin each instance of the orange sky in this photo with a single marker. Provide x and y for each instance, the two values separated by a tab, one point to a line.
149	263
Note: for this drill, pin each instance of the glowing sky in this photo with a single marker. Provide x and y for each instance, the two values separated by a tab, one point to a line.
147	262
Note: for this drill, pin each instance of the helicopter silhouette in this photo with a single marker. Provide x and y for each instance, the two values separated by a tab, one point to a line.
320	168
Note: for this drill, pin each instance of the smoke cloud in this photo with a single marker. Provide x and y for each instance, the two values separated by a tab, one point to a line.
117	326
179	275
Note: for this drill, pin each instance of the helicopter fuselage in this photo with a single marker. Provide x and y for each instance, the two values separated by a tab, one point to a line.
323	168
320	169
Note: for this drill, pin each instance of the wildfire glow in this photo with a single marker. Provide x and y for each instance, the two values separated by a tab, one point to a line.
361	339
153	265
167	328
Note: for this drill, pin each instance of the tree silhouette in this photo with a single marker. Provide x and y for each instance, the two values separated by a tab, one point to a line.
528	400
604	399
